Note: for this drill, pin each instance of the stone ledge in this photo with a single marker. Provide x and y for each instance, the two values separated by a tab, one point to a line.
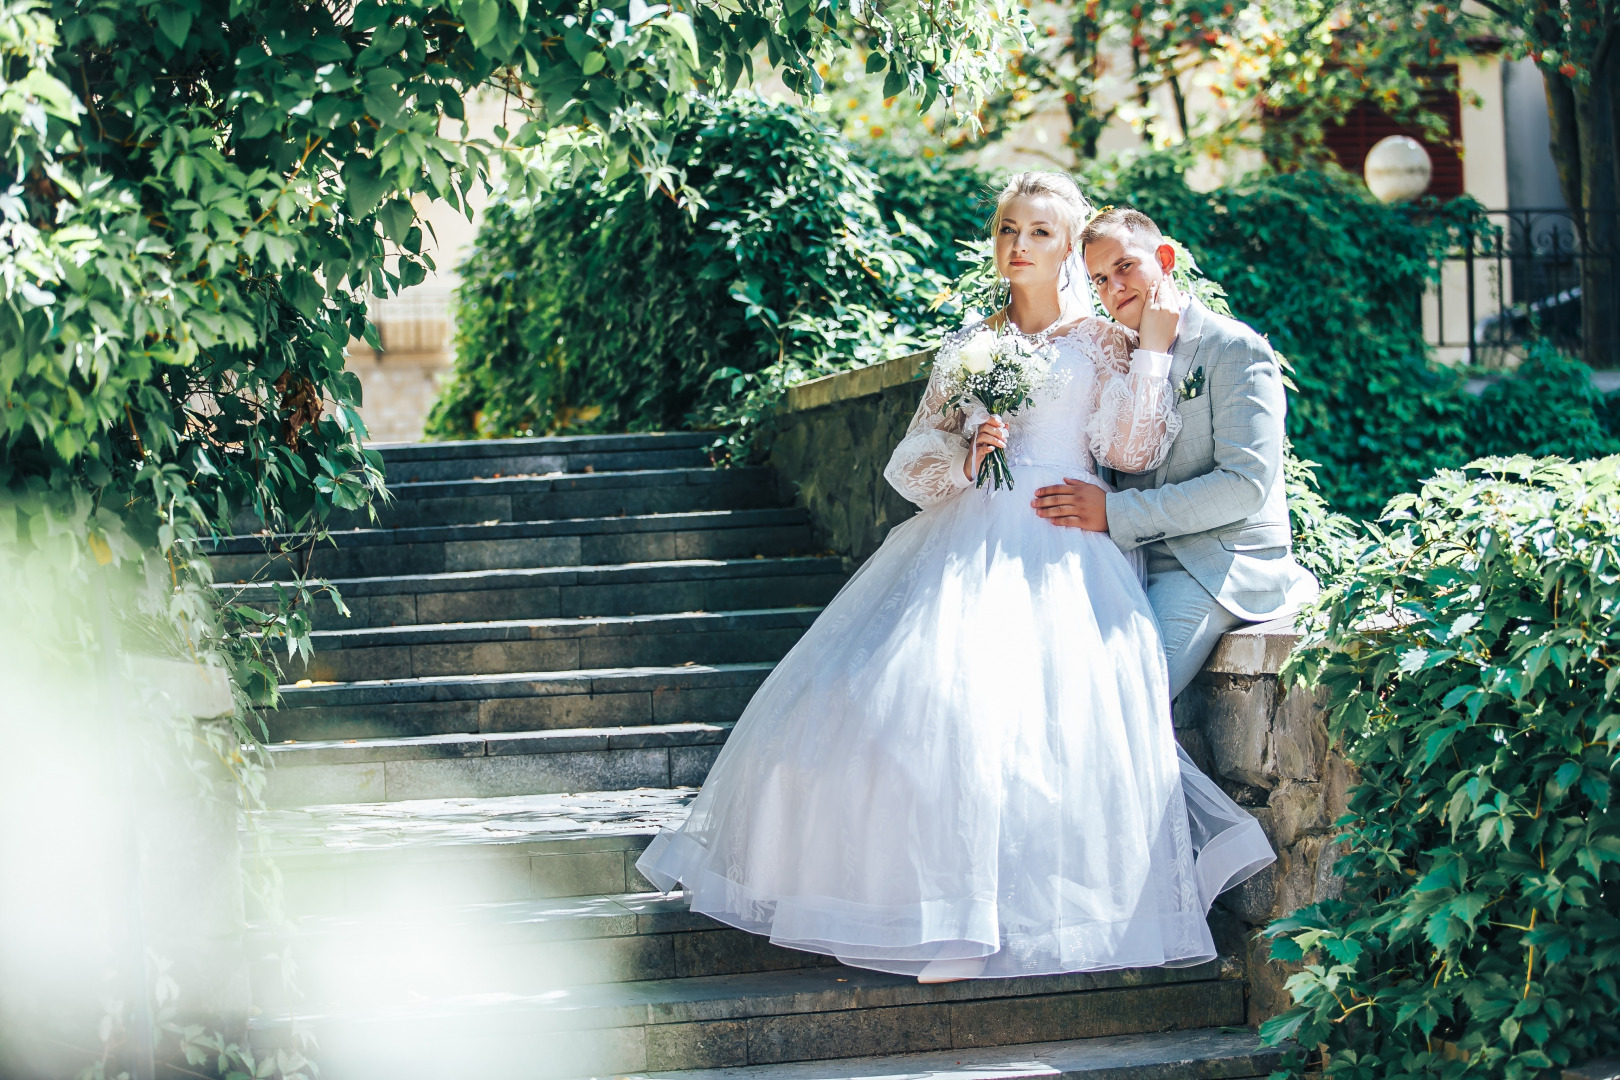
1607	1068
1255	649
862	382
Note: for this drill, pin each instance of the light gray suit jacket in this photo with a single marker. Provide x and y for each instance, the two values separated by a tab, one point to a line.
1218	501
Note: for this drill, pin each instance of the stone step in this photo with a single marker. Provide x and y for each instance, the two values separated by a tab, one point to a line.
566	591
754	1019
1200	1054
411	463
517	702
518	947
514	645
376	858
483	766
708	534
536	498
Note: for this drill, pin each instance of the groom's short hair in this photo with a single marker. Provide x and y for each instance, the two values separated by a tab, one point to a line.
1122	219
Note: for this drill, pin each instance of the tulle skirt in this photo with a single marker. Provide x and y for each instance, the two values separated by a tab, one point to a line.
969	755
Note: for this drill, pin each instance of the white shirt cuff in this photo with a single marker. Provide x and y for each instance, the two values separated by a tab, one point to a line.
1155	365
958	464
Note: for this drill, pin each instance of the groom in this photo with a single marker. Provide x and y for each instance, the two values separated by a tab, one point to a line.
1212	521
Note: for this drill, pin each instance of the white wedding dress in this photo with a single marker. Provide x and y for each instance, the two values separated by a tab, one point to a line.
969	755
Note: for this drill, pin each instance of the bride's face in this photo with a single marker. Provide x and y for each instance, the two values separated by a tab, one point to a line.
1031	240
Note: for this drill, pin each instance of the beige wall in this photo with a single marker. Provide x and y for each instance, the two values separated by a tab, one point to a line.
1484	138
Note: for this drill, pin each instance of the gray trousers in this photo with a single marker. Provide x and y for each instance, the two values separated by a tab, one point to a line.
1191	622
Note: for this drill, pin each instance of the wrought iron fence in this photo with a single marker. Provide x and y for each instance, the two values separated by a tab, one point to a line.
1518	275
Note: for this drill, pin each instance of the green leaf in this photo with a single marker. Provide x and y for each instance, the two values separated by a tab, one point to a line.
680	24
481	19
175	23
365	183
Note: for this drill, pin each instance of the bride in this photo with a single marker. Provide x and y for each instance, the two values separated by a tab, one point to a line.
966	768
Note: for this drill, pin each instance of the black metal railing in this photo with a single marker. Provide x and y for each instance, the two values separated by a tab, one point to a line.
1522	278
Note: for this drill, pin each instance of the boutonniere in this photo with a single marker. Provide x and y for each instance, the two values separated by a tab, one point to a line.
1191	386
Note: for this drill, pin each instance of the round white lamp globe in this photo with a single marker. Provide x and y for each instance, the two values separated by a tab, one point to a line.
1398	168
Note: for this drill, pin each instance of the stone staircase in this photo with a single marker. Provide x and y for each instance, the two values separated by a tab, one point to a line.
548	642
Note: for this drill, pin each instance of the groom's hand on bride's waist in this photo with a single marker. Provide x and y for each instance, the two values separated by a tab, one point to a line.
1074	503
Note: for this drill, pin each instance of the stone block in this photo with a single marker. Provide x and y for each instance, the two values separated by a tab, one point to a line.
627	547
1296	808
1254	900
715	1044
682	705
741	543
1299	736
528	774
1236	722
733	952
1338	778
495	657
1104	1012
632	598
564	711
313	785
689	765
634	882
586	873
374	721
346	665
386	610
848	1033
516	552
1297	872
483	604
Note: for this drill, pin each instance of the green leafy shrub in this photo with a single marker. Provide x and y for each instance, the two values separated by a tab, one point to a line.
1470	658
1547	406
950	204
594	308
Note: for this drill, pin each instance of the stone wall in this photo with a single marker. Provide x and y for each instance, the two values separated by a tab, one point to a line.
1266	747
834	437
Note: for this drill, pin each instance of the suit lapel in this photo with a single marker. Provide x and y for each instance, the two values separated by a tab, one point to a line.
1192	333
1181	363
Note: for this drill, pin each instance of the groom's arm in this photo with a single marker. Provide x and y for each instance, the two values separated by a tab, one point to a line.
1247	410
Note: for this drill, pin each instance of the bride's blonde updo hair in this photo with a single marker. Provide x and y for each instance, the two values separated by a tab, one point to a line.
1058	187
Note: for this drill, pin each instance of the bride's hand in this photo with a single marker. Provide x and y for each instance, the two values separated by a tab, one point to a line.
992	436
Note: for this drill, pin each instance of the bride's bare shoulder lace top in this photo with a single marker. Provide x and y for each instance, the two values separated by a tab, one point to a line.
1107	403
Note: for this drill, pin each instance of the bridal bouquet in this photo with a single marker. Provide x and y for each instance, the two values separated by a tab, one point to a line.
993	374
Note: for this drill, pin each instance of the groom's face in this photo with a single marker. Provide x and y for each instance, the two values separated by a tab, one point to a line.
1123	270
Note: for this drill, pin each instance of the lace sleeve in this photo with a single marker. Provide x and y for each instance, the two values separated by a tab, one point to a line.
927	465
1134	420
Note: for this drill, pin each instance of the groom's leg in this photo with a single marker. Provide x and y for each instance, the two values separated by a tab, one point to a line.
1191	622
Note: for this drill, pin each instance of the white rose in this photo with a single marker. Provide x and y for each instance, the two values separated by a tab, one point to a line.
978	352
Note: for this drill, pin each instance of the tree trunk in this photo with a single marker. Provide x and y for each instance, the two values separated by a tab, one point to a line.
1180	99
1584	128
